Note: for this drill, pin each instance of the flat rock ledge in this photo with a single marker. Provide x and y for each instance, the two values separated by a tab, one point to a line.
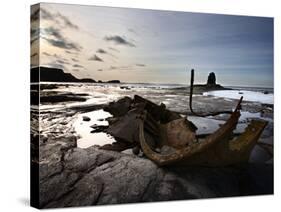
70	176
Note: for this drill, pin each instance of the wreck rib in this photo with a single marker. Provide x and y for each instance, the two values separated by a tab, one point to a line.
219	139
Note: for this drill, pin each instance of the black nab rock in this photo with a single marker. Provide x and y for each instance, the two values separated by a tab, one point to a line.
211	79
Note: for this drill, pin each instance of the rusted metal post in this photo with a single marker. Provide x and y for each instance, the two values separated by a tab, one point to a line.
191	91
190	101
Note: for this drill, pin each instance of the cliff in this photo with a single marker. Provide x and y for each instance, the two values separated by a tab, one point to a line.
54	75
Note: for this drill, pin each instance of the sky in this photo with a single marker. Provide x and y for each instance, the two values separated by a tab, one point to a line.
151	46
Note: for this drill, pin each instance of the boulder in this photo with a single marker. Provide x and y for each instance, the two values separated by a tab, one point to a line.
99	177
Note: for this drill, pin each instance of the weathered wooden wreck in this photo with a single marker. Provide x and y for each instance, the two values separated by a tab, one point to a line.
166	137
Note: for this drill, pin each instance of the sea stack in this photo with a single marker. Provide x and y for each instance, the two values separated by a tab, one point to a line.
211	79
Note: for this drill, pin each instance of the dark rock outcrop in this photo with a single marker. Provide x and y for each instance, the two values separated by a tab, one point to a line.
54	75
211	79
89	80
86	118
113	81
120	107
61	98
110	81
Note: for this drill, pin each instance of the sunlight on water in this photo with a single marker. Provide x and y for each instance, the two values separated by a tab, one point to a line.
83	129
247	95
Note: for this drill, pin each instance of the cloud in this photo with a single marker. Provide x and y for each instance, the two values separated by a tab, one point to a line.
140	65
112	67
33	40
34	35
57	58
62	44
113	49
96	58
120	67
132	31
35	15
100	69
34	32
118	40
77	66
53	55
101	51
47	54
34	54
54	64
58	18
67	22
62	61
54	37
45	14
53	32
74	60
70	52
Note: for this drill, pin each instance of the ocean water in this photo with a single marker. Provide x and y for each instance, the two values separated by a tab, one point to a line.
174	96
101	93
248	95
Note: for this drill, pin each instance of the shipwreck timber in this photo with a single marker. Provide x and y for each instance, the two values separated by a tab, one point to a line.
217	149
166	137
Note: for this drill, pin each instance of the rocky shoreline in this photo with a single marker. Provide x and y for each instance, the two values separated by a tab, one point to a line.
80	177
71	176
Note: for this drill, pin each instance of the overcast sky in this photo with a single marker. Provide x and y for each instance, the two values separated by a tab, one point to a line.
135	45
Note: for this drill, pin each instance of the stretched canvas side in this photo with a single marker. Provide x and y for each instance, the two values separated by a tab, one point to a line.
34	105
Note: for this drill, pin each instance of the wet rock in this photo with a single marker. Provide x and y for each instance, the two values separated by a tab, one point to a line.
56	186
86	118
124	87
85	192
111	120
113	81
81	160
71	176
136	150
119	108
118	146
48	86
60	97
126	128
97	128
128	151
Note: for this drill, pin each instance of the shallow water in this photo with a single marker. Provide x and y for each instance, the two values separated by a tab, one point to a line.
83	129
252	96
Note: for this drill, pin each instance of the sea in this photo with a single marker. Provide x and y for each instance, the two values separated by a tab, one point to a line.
174	96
